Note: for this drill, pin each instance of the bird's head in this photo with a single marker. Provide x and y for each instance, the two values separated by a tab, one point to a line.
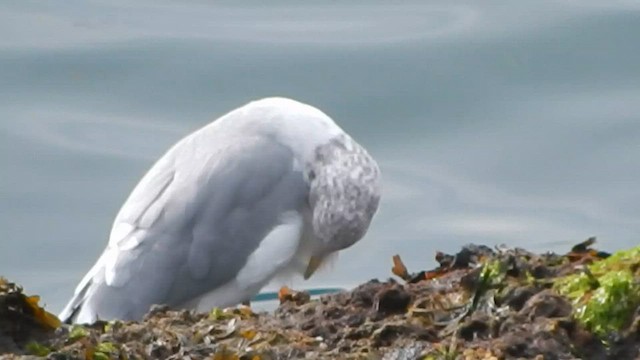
344	192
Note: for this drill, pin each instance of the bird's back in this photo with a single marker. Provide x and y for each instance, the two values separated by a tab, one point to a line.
190	225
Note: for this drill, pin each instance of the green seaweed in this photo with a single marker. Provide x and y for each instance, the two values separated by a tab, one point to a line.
104	351
77	332
606	293
101	356
493	273
37	349
621	260
218	314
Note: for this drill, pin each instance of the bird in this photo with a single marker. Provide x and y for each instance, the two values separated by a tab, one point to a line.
273	187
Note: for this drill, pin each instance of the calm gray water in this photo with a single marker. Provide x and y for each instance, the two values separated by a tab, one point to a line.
513	122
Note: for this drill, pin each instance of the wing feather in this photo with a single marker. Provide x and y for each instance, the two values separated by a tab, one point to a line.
191	225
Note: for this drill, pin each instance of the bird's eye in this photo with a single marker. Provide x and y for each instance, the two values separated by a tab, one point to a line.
311	175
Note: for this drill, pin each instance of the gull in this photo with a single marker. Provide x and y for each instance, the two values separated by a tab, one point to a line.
273	187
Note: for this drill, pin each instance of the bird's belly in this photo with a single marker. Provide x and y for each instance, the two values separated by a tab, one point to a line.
229	294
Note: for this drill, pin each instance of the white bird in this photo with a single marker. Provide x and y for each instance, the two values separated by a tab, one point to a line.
272	187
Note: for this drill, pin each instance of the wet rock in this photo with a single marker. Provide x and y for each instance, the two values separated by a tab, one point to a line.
478	304
333	313
407	353
358	333
527	344
470	254
470	280
354	320
516	297
157	310
512	323
546	304
385	335
389	333
476	327
363	295
393	300
22	320
158	350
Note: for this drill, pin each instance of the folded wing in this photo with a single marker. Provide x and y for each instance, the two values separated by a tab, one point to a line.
191	225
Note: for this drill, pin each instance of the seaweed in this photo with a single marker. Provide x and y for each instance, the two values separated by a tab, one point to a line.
606	293
480	303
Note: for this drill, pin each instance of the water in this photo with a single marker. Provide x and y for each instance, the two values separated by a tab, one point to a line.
512	122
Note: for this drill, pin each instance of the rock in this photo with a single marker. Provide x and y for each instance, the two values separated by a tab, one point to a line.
516	297
478	304
392	300
546	304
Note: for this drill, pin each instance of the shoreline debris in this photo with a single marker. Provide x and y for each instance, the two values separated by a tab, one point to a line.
480	303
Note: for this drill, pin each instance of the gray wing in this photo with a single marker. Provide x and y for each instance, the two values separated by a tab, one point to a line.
190	225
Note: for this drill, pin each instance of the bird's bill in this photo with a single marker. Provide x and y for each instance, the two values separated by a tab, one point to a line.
314	264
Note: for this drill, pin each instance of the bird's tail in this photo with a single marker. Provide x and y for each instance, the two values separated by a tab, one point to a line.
69	314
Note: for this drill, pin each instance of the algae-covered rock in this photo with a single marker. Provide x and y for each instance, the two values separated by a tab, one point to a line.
480	303
22	321
606	293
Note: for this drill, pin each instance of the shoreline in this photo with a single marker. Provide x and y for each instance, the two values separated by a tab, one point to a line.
481	303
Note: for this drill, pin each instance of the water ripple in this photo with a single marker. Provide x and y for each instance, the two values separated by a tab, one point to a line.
126	138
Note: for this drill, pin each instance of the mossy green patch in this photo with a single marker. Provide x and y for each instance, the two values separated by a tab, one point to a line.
493	273
101	356
77	332
621	260
106	347
218	314
37	349
105	350
606	293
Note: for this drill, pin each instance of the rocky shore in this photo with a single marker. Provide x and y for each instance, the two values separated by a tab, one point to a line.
481	303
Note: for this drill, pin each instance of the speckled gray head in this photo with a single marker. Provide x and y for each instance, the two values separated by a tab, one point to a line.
344	192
